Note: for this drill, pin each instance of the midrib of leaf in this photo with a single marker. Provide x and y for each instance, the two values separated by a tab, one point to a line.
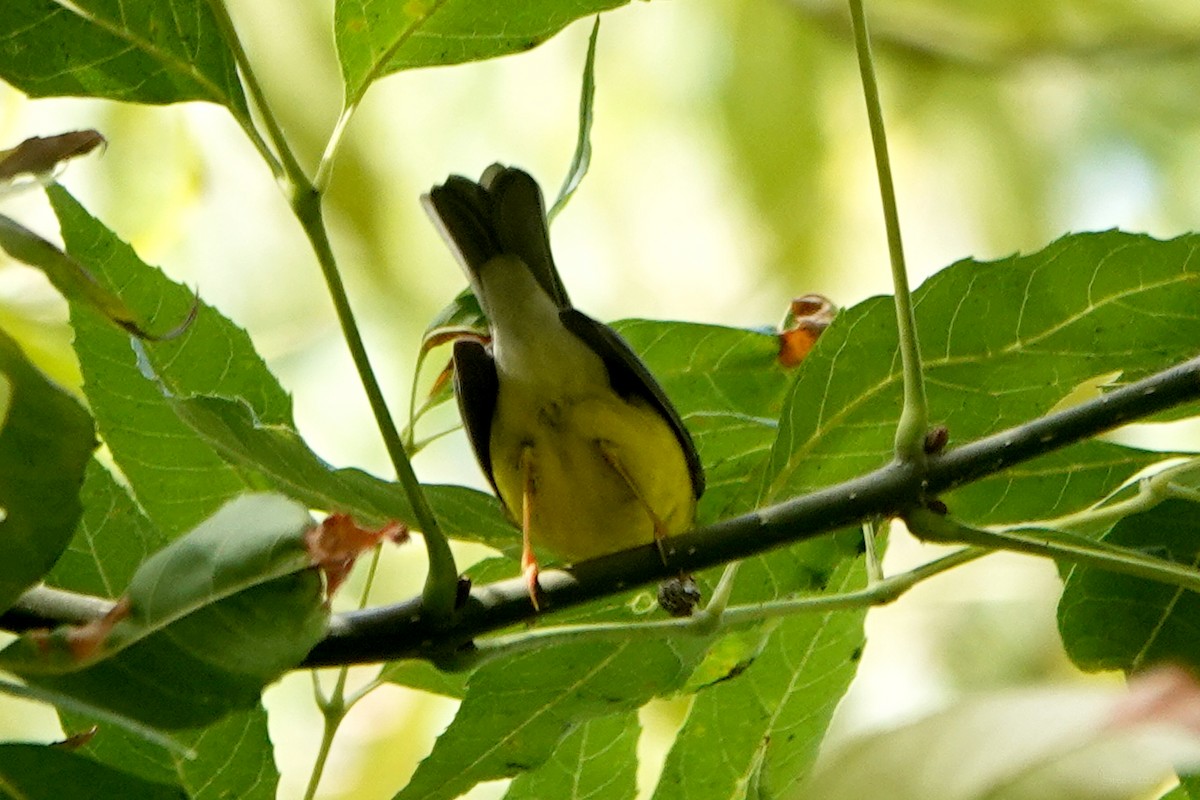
1184	276
545	709
1159	623
798	456
150	48
781	702
379	68
599	667
285	567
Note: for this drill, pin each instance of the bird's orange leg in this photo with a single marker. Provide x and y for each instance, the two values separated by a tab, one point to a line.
529	564
609	454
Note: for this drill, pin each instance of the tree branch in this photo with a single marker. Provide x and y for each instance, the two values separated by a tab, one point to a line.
400	631
403	631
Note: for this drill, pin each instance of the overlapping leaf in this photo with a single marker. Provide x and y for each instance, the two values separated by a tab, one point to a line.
40	772
1003	342
518	709
279	454
46	440
1111	621
595	761
150	51
756	729
177	477
232	757
378	37
206	622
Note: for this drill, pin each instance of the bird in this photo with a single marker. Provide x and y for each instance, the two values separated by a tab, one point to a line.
578	440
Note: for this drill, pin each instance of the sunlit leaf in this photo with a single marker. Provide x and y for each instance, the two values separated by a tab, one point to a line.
156	51
46	440
1087	305
518	709
595	761
1043	743
377	37
175	475
763	720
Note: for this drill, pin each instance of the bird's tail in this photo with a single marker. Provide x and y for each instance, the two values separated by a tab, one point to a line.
502	214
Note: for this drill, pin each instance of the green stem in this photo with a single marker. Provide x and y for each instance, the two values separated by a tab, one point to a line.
720	620
442	580
334	714
285	167
335	707
874	565
914	417
931	526
1151	491
325	167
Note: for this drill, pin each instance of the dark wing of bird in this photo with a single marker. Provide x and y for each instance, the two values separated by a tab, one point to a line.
475	386
629	377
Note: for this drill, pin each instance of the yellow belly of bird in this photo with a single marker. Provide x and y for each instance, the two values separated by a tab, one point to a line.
599	473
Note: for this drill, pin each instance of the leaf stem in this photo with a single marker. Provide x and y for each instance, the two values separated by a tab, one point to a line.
442	579
931	526
721	620
334	711
325	167
285	168
914	416
1151	491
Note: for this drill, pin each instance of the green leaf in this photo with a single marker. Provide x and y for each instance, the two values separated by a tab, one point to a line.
518	709
279	454
729	387
175	475
209	621
1086	306
420	674
46	440
595	761
761	723
112	540
110	719
67	275
582	158
230	758
1090	470
41	772
1111	621
379	37
154	51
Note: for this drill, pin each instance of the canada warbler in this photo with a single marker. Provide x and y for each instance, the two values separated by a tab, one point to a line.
579	441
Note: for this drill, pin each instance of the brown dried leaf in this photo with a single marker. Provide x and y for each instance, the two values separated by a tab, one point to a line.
806	320
39	155
336	543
